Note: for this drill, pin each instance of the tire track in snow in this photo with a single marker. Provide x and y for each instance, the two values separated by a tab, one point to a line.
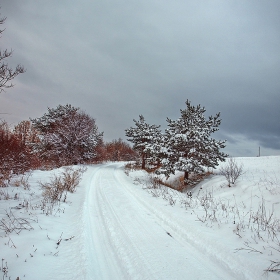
129	256
100	263
132	242
111	255
219	256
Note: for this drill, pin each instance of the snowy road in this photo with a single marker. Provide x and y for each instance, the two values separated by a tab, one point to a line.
128	238
111	228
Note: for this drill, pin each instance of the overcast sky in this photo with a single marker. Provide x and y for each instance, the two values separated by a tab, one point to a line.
119	59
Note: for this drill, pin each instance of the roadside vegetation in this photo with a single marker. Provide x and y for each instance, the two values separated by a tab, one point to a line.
242	195
28	204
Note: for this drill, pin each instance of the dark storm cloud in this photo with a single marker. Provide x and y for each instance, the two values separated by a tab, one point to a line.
119	59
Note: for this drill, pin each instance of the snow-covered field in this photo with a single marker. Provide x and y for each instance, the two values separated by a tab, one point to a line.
116	226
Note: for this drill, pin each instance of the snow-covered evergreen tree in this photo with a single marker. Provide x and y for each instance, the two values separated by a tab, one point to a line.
145	139
67	136
188	143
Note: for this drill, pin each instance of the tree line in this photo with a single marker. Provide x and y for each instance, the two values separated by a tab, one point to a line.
64	135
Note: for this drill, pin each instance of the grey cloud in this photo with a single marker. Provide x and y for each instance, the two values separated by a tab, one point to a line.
117	60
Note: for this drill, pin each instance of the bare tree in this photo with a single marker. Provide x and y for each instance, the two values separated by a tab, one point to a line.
7	74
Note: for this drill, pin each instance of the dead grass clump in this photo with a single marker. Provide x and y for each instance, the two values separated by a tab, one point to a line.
22	181
71	178
11	223
131	166
4	194
59	185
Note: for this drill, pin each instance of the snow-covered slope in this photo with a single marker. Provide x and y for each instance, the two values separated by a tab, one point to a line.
117	227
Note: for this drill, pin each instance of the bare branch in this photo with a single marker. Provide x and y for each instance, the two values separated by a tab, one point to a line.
7	74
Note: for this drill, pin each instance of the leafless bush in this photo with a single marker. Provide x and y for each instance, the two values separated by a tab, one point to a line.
118	150
59	185
153	186
270	183
206	201
54	190
232	171
71	178
264	221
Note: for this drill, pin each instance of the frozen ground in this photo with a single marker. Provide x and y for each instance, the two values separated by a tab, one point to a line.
117	226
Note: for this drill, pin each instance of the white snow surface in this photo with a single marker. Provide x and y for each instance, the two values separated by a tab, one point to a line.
113	227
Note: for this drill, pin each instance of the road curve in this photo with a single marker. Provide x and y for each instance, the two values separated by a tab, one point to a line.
127	239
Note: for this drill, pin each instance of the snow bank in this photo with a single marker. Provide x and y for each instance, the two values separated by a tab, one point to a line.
119	227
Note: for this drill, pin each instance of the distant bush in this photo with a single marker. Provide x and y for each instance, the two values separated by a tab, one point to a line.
16	157
118	150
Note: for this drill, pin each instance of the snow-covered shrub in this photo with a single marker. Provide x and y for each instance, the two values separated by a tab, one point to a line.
67	136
